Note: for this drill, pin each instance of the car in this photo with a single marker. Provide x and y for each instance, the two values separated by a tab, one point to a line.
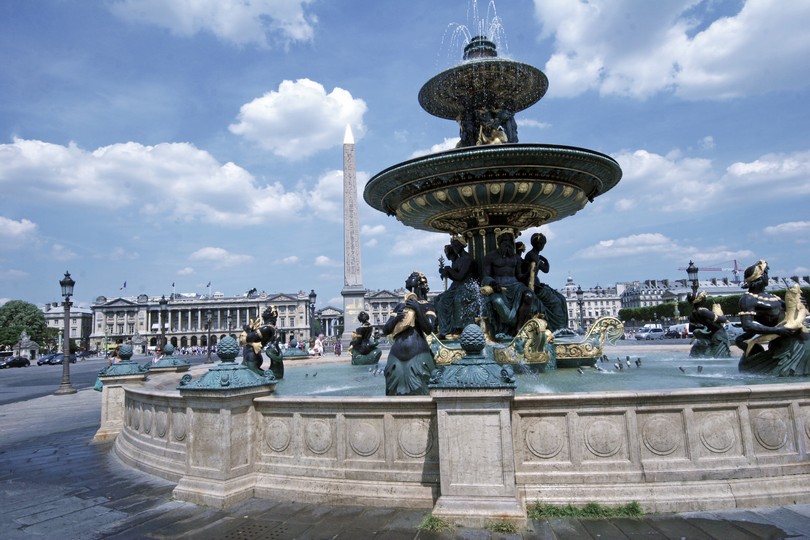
733	329
650	333
84	354
45	359
565	332
59	358
14	361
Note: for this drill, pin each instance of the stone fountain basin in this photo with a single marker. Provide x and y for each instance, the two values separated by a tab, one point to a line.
519	185
675	449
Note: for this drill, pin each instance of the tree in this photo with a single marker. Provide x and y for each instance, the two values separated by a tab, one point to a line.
18	316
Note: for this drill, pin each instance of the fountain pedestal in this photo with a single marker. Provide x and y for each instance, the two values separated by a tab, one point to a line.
476	455
220	464
477	474
113	379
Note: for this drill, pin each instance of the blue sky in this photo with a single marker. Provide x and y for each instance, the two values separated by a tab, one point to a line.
187	142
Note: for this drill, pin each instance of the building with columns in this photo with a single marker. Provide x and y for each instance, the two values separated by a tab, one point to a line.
596	302
185	318
81	324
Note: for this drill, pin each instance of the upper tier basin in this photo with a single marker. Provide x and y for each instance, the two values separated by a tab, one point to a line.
507	185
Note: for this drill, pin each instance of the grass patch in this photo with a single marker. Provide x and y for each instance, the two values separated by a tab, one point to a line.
434	524
589	511
501	527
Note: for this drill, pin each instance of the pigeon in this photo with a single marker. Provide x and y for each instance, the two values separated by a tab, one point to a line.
638	362
579	370
700	369
628	361
314	374
306	374
682	369
616	366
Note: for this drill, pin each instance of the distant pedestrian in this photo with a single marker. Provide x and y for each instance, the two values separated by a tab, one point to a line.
337	348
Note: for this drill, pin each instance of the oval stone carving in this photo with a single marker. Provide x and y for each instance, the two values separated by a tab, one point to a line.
161	423
179	425
661	435
277	435
318	436
770	430
136	417
147	420
414	438
807	423
717	434
544	439
603	438
364	439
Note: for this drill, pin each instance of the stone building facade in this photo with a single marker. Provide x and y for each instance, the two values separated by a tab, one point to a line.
185	319
81	324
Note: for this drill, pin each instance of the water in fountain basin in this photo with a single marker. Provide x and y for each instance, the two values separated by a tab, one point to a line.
658	371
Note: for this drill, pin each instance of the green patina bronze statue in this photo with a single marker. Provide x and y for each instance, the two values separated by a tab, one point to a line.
708	327
261	335
509	302
766	318
460	304
410	361
554	308
363	346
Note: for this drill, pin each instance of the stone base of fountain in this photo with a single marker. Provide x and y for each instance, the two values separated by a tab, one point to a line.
672	451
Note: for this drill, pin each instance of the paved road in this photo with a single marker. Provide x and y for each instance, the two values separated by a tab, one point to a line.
18	384
56	484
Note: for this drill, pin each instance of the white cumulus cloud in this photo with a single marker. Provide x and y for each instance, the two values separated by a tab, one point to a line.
300	119
219	257
241	22
693	49
174	179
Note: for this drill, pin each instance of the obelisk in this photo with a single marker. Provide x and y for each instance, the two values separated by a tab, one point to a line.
353	291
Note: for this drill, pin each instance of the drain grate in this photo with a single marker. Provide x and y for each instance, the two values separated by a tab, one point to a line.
255	530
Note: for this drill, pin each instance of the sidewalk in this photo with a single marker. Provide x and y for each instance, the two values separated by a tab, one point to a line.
55	483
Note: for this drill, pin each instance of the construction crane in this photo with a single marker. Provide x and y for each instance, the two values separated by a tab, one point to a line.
734	270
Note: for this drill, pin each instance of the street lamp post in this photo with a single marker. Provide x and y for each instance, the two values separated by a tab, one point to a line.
65	387
692	272
581	303
164	311
208	339
230	321
312	297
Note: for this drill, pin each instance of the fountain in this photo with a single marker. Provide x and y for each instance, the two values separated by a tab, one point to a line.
492	184
473	450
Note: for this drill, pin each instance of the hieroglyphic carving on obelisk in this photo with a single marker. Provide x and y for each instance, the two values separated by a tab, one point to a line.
353	291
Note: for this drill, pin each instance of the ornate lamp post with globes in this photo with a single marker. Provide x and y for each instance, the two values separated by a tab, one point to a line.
208	338
164	311
65	387
692	272
581	303
312	297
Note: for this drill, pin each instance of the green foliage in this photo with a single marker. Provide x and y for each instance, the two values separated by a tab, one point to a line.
432	523
17	316
729	304
591	510
501	527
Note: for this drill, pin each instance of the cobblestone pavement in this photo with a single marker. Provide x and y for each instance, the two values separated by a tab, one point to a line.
56	483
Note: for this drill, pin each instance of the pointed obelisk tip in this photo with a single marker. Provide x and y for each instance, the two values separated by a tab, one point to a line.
348	138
